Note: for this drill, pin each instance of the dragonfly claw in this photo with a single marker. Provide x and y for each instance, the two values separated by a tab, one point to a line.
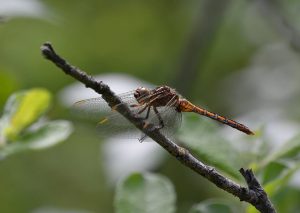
141	140
148	126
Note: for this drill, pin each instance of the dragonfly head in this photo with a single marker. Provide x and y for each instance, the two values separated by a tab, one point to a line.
140	93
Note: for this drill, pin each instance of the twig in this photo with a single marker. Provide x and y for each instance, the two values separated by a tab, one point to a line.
264	205
254	194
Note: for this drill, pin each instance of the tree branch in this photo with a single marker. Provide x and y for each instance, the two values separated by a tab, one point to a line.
254	194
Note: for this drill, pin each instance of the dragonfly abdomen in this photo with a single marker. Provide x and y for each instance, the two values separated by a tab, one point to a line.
223	120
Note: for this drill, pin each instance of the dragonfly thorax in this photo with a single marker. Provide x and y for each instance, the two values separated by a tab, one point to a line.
158	97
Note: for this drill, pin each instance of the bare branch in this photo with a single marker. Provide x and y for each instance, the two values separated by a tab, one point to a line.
254	194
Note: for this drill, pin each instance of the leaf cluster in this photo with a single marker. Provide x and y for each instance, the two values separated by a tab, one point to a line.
24	127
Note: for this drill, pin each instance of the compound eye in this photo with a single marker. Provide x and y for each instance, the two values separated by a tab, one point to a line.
136	93
139	91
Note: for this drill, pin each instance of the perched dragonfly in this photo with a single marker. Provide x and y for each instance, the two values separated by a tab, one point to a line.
162	107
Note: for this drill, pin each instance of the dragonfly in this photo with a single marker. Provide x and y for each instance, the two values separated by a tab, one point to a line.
162	107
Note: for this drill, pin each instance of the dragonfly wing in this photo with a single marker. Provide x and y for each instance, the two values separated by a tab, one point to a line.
109	121
115	125
94	107
171	120
91	109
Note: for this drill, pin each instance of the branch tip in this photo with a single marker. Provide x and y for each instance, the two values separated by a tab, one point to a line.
250	179
47	50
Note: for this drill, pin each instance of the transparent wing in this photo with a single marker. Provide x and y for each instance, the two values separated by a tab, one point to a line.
109	122
94	108
171	119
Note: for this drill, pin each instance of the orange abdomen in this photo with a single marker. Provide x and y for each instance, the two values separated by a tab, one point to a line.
186	106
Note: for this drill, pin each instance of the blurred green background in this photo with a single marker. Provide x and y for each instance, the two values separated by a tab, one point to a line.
240	58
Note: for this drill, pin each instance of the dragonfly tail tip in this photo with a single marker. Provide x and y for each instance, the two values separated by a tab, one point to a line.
249	132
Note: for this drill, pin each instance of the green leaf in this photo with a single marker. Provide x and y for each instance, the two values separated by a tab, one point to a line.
201	135
213	206
41	137
272	171
273	186
149	193
21	110
288	150
48	134
251	209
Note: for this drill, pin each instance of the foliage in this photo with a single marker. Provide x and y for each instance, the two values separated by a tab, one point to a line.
22	127
213	206
200	135
145	193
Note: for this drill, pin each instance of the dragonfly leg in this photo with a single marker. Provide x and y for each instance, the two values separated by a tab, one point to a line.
134	105
148	112
147	116
143	109
149	105
161	122
143	137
